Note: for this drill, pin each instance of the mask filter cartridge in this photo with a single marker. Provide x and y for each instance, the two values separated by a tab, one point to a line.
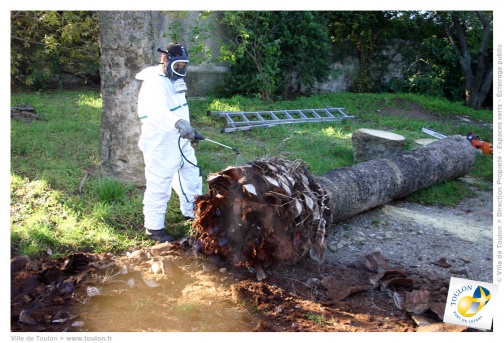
180	86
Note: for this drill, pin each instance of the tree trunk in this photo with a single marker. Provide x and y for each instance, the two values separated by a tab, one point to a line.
374	183
477	83
274	211
369	144
126	48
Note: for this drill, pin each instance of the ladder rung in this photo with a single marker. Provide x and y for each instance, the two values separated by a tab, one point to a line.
248	120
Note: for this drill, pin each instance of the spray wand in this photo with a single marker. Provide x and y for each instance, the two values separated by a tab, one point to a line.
239	159
198	137
211	141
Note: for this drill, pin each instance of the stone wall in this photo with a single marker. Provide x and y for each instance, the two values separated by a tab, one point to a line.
390	64
340	80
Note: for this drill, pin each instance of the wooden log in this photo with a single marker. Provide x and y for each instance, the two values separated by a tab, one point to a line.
424	141
274	211
371	144
377	182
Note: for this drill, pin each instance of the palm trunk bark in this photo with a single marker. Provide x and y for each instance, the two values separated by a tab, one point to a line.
274	211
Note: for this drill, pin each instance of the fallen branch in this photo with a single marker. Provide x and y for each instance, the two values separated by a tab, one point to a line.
25	113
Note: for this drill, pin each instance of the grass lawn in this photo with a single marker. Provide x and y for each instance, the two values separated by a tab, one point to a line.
53	212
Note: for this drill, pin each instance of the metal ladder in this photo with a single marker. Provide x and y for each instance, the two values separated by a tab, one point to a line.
249	120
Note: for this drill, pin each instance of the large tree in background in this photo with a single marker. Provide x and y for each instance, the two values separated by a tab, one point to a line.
125	45
45	45
470	35
443	51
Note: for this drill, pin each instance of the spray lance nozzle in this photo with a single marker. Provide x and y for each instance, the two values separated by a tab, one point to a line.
198	137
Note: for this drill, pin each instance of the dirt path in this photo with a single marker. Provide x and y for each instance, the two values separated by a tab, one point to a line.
418	237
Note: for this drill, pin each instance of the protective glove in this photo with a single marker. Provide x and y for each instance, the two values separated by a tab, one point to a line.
186	130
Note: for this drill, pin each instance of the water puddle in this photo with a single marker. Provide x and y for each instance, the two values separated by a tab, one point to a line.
198	300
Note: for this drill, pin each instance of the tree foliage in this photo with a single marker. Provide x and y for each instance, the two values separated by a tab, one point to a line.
445	53
275	53
45	45
195	30
431	67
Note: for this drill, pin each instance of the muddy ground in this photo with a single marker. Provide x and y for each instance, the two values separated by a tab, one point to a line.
385	270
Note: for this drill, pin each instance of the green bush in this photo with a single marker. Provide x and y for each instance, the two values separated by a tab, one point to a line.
275	53
38	79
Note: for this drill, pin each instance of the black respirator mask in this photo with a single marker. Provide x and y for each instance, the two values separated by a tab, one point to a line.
176	66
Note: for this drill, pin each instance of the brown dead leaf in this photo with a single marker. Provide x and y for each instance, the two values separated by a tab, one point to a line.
375	261
417	301
396	283
341	294
330	282
438	308
387	275
339	290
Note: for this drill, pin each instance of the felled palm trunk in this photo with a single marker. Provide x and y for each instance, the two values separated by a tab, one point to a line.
273	210
263	212
377	182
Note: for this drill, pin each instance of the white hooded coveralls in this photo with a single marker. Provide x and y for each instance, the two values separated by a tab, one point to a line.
159	108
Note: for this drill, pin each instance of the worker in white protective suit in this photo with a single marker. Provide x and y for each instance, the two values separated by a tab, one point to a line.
167	141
